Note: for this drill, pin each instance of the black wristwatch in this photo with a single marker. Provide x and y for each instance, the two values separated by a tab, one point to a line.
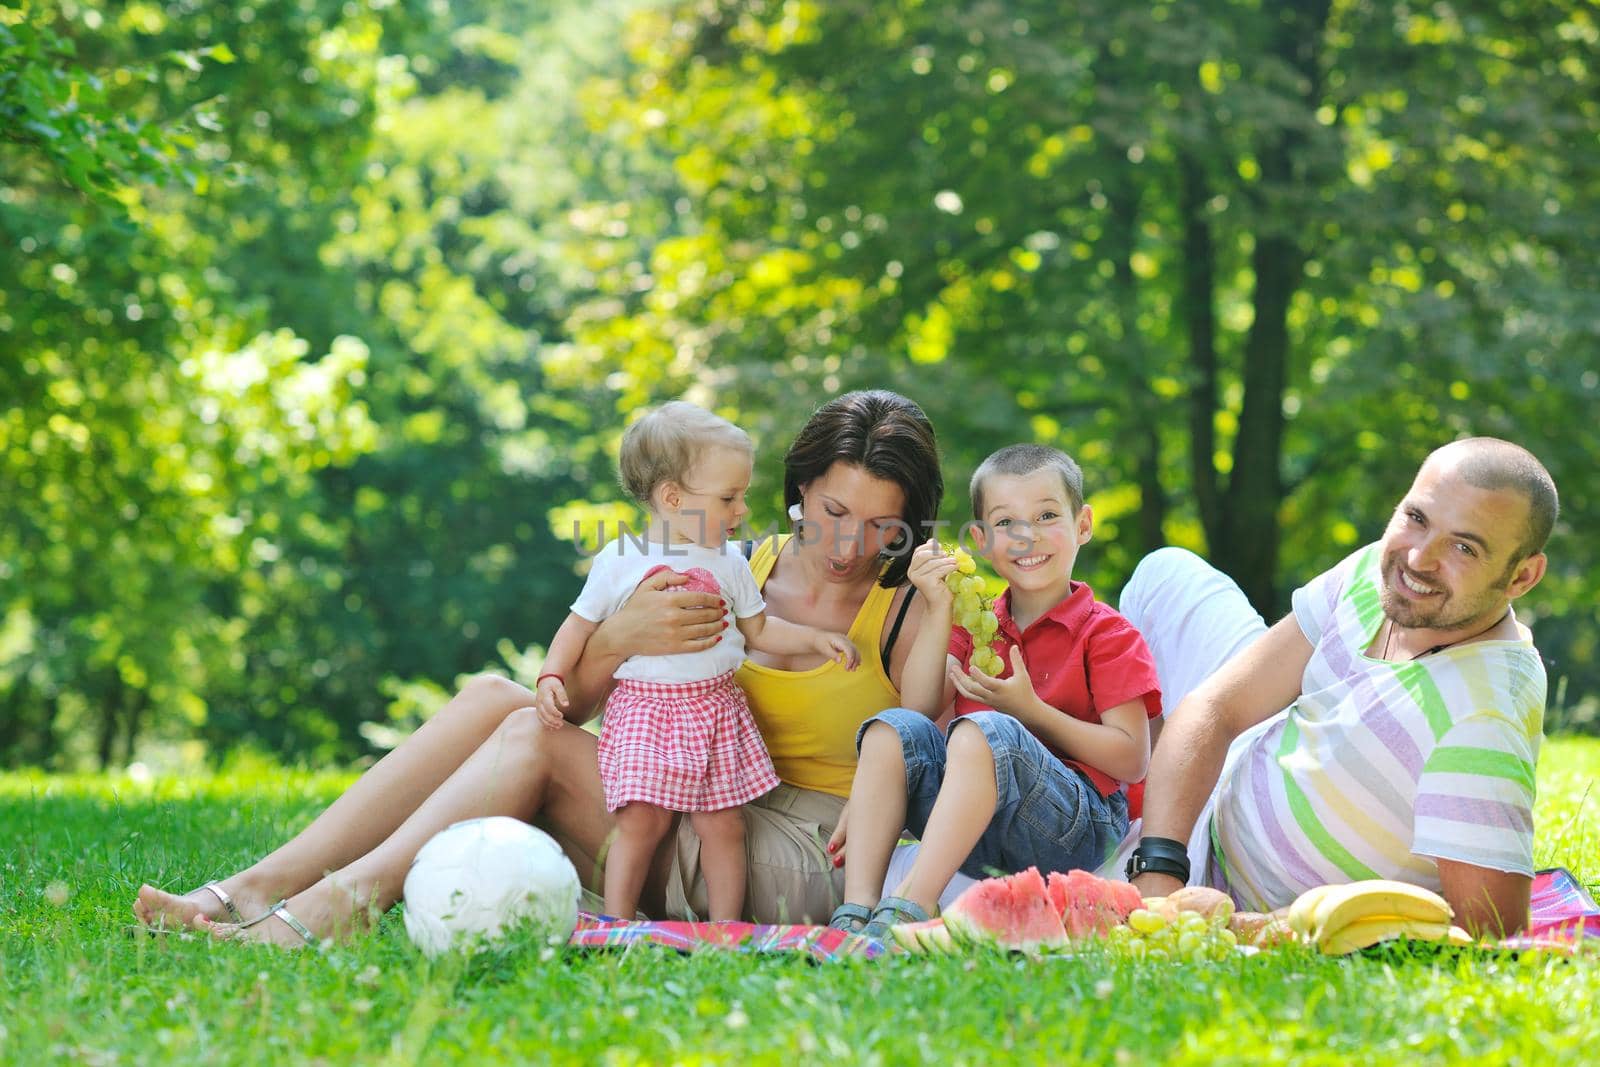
1159	855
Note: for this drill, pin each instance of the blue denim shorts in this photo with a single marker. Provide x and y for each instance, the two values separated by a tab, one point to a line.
1047	814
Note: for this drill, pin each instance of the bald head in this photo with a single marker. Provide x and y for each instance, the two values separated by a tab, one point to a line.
1492	464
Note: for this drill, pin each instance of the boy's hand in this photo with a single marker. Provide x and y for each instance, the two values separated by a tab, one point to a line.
929	565
838	647
836	840
550	700
1014	695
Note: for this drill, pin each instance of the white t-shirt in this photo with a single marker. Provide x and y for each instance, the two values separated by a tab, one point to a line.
1380	768
621	565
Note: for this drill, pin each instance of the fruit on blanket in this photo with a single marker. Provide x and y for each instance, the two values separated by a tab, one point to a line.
1343	918
1146	921
1304	906
1215	906
1377	898
924	938
1027	912
1089	905
1164	933
1261	929
1363	933
1013	912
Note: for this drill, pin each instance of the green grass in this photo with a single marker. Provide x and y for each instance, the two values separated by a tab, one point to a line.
74	986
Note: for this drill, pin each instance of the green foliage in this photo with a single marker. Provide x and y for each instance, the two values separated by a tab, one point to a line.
325	317
78	987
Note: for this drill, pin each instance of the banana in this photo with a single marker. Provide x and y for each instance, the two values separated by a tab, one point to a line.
1304	906
1375	898
1457	936
1369	931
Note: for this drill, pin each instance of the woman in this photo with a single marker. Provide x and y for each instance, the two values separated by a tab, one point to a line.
860	477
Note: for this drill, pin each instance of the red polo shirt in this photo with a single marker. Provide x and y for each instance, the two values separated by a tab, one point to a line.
1084	659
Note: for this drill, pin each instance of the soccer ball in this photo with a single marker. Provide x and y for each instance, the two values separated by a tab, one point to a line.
476	880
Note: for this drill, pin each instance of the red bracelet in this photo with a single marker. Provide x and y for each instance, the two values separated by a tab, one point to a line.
548	674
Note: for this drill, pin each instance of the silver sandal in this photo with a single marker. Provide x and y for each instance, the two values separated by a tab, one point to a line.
282	912
229	906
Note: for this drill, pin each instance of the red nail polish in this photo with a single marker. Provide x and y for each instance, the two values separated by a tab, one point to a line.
838	861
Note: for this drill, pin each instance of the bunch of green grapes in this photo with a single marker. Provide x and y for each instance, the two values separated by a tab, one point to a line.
1152	935
974	612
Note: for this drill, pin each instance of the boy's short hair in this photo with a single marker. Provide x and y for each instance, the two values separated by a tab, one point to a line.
1025	459
664	446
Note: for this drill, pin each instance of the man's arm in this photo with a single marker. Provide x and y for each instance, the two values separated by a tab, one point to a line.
1487	903
1250	688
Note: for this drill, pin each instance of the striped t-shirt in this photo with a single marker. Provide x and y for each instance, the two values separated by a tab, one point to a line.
1381	768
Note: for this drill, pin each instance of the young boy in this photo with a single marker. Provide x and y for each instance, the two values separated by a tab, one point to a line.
1032	767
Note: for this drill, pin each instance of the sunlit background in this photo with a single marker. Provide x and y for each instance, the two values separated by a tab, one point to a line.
320	321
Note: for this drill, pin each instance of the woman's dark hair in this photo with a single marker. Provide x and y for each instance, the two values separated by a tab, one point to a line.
887	436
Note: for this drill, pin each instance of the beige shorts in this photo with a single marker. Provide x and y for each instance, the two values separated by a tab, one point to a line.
789	877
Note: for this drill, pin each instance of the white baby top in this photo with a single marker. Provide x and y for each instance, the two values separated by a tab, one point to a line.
621	565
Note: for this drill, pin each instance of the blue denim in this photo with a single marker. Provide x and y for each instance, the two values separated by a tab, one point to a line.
1047	814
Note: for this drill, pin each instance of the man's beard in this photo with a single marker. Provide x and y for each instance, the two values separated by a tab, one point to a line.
1444	614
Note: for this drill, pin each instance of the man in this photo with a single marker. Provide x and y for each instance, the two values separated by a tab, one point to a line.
1386	728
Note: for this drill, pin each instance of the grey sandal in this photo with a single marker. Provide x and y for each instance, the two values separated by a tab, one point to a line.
892	911
851	918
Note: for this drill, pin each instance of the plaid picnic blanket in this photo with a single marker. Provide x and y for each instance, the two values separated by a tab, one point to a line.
818	942
1563	916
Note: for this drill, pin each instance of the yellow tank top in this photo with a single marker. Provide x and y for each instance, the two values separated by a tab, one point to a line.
809	719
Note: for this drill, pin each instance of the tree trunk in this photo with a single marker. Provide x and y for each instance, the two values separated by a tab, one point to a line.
1199	313
111	698
1249	548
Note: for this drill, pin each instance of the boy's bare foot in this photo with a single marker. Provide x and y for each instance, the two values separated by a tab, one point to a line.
158	908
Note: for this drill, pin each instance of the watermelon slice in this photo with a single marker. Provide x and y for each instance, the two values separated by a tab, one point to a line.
1013	912
1088	905
1027	912
924	938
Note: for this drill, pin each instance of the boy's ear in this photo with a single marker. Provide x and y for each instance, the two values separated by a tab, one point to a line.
1085	524
980	537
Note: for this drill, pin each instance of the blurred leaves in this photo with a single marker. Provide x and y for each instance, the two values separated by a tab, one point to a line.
322	319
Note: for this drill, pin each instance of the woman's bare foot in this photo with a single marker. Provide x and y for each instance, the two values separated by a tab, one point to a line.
158	908
328	912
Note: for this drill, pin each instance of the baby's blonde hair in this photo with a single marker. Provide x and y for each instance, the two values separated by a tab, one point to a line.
665	445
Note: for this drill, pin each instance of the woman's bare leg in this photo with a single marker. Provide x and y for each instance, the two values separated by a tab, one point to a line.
522	770
367	813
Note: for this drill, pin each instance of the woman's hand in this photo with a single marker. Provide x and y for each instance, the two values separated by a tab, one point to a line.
929	565
836	839
660	619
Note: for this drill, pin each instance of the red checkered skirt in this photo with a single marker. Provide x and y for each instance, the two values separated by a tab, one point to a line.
683	746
